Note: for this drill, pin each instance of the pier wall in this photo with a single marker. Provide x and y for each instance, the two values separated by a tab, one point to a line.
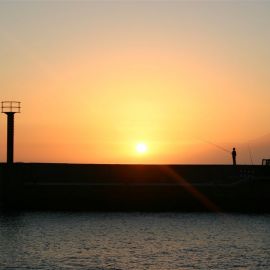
135	187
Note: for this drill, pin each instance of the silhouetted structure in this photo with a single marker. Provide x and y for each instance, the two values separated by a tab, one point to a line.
266	162
10	108
111	187
234	156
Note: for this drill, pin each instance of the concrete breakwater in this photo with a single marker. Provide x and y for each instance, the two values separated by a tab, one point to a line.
135	187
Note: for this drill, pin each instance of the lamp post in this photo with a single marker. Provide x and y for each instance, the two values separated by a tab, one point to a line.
10	108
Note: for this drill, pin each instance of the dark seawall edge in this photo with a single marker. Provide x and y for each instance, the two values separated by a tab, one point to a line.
135	187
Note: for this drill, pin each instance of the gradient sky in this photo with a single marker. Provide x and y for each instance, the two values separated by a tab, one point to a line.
95	77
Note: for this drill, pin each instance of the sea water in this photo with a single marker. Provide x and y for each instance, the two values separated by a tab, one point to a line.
95	241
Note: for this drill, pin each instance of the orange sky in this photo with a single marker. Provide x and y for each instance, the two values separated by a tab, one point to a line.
95	78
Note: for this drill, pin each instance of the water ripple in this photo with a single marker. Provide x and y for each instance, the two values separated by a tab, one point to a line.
118	241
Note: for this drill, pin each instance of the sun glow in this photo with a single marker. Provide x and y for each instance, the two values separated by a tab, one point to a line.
141	148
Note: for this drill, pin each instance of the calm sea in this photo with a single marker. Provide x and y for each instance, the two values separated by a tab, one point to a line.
49	240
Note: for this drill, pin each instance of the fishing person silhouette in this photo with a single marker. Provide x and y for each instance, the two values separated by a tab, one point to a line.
234	156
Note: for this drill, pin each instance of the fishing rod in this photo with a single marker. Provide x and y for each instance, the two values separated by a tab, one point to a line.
217	146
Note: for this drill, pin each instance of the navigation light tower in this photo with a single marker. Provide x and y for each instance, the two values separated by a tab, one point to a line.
10	108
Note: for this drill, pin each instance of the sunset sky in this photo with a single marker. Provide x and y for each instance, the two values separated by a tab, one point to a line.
96	78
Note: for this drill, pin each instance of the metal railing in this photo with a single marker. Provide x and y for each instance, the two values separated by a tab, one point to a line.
266	162
10	107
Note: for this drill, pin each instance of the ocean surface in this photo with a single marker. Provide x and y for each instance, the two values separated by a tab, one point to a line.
95	241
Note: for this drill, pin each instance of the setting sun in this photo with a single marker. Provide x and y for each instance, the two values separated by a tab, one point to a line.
141	148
